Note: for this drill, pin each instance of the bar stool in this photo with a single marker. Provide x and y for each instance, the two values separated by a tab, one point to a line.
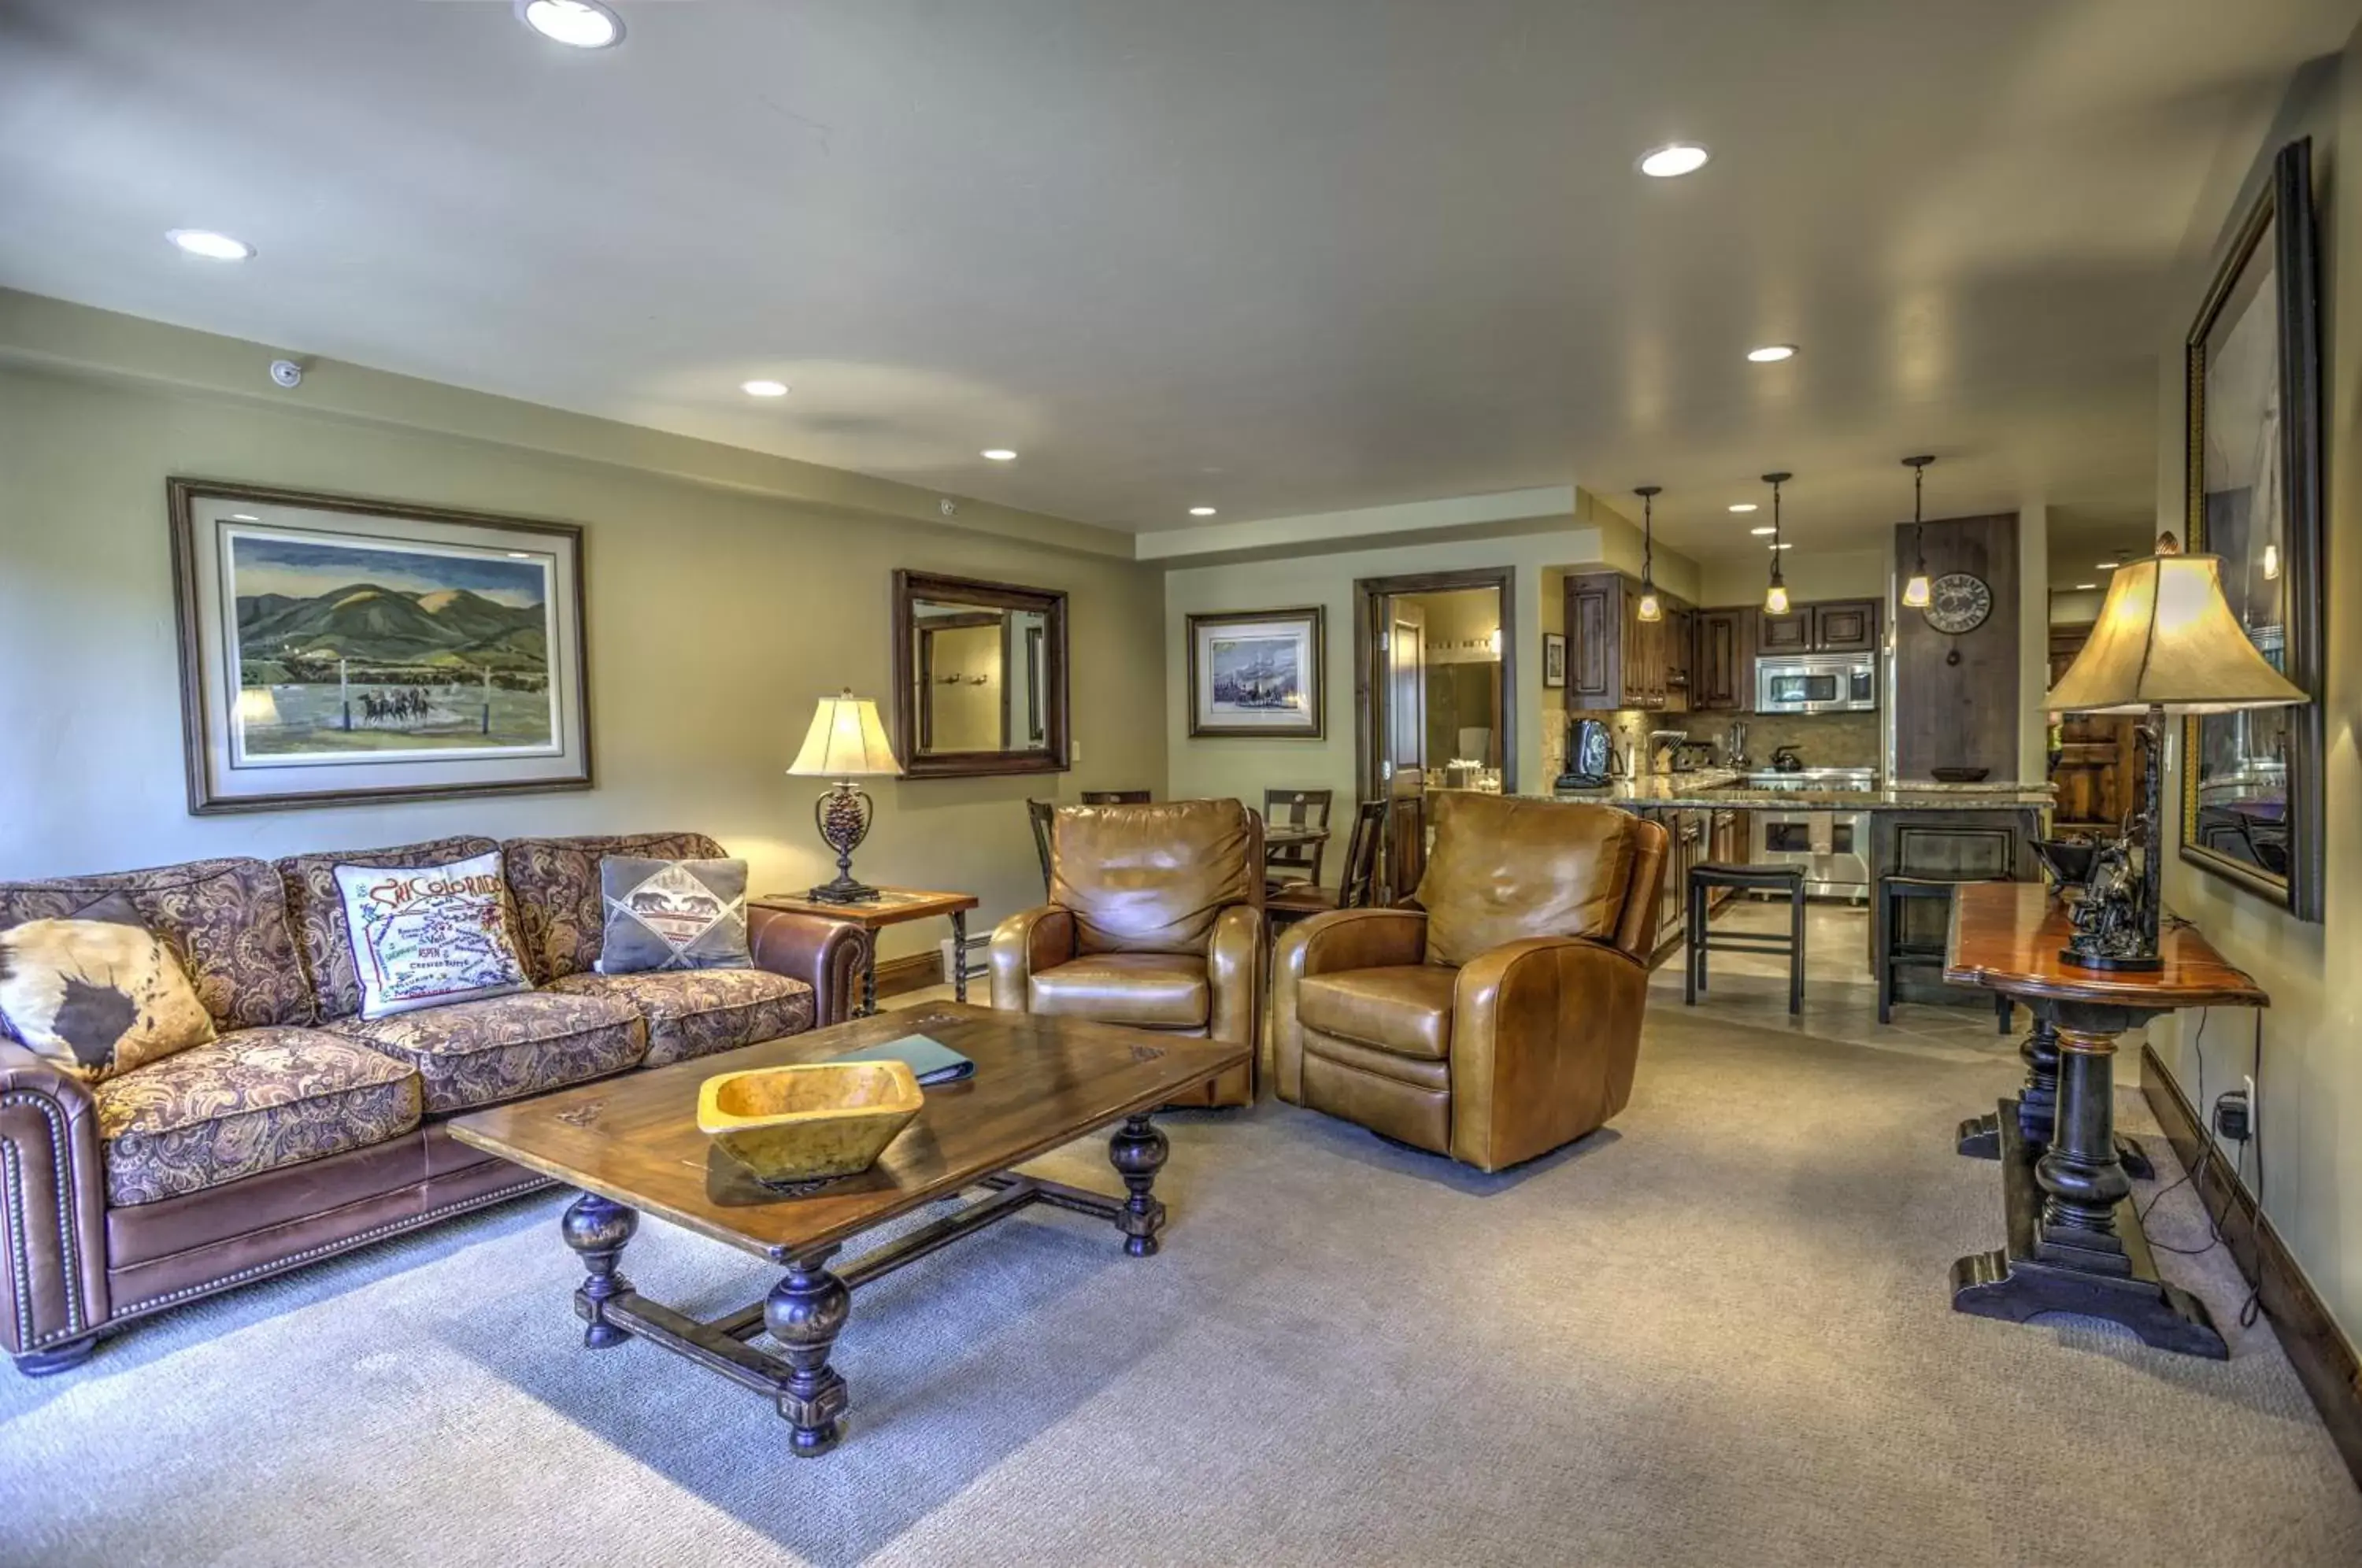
1701	936
1895	892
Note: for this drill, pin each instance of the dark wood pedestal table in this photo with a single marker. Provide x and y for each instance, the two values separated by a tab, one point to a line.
892	906
632	1145
2073	1238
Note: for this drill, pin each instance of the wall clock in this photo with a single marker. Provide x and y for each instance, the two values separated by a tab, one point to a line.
1957	602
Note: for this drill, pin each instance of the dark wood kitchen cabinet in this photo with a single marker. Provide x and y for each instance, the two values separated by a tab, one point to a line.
1615	659
1845	625
1722	660
1792	633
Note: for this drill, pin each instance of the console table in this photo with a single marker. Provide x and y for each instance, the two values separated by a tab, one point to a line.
892	906
2073	1239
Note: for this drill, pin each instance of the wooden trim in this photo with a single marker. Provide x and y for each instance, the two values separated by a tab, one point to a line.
910	972
1369	594
1051	604
2324	1358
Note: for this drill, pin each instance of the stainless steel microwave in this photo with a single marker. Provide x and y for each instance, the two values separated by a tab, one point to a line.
1816	683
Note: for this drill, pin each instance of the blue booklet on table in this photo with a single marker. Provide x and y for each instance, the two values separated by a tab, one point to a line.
931	1061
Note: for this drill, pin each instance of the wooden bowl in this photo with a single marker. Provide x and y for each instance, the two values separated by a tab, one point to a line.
809	1120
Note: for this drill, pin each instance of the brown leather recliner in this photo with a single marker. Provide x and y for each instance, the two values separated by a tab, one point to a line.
1155	920
1500	1017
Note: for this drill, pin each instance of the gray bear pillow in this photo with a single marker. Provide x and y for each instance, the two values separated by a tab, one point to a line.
672	914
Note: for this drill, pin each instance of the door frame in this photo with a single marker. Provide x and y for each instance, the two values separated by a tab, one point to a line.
1370	594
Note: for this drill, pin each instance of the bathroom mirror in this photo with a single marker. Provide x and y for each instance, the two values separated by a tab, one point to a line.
979	677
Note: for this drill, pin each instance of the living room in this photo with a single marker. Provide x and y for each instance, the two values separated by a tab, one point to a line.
1471	646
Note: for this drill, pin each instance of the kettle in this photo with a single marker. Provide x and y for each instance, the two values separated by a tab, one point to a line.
1785	760
1590	758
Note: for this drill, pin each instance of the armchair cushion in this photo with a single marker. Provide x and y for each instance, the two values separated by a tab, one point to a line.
1153	878
1403	1008
1504	868
1150	990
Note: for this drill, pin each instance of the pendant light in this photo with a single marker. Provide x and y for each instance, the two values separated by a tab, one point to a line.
1775	598
1650	609
1915	592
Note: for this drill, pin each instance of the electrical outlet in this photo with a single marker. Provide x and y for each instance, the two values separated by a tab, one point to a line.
2255	1105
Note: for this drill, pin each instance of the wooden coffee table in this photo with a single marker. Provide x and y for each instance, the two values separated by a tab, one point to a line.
632	1145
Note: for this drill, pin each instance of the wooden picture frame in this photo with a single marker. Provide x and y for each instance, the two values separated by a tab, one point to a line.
1031	725
1260	674
337	650
1554	659
2252	784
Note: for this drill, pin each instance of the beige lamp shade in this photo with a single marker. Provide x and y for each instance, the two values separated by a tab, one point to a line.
2167	638
846	741
257	707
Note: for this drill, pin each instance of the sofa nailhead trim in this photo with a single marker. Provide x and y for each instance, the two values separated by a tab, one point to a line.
359	1238
61	1156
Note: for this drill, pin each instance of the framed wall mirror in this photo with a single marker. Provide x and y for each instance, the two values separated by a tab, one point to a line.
2252	782
979	677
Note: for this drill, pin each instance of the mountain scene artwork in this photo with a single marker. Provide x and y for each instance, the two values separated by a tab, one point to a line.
368	646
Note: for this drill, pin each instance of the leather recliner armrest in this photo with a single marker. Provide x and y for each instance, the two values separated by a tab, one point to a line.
1545	1033
1234	977
1339	939
53	1194
826	954
1023	945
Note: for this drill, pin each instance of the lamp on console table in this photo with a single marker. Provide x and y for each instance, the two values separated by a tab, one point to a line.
2166	642
845	742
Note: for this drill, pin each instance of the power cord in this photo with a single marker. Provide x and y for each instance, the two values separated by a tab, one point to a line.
2251	1309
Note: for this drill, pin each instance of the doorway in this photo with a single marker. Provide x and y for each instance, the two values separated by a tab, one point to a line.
1435	698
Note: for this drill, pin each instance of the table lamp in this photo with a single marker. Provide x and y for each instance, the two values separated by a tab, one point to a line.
845	742
2166	642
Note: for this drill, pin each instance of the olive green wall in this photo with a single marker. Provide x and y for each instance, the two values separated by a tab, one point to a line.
2311	1078
727	593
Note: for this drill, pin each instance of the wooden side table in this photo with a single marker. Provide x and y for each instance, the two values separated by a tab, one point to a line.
892	906
2073	1240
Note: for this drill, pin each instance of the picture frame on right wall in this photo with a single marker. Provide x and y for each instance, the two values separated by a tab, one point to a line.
1554	659
2252	809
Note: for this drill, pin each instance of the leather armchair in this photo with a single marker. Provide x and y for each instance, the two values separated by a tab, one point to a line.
1155	920
1497	1017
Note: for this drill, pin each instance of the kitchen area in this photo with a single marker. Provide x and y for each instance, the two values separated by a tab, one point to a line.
1851	739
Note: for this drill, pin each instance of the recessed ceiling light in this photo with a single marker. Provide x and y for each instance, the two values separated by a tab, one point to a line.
1785	545
213	247
2085	586
1773	353
1673	159
1742	506
764	388
582	24
1201	512
1766	530
999	454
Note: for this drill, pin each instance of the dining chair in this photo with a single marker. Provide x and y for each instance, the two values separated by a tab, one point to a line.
1115	797
1357	889
1043	812
1287	864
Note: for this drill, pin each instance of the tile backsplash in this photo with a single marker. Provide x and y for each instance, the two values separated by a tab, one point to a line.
1821	740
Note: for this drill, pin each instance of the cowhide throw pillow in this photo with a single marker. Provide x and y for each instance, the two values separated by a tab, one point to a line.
96	993
672	914
427	935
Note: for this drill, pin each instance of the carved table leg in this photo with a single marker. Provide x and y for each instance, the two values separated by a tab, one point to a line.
869	973
598	1229
2038	1102
2080	1175
1138	1151
805	1312
959	956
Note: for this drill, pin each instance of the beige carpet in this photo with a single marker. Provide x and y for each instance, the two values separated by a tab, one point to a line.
1716	1334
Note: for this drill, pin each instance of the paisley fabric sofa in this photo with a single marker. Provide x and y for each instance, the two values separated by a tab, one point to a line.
305	1131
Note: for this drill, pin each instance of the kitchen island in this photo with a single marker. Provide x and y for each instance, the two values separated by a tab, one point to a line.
1953	833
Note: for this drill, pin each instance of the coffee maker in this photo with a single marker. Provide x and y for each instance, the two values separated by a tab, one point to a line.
1590	758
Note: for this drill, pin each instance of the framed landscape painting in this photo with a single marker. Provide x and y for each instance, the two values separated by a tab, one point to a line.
336	651
1257	673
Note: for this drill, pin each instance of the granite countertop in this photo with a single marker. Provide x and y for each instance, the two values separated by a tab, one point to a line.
1713	788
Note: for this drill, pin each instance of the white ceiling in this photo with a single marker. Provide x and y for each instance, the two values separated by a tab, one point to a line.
1272	257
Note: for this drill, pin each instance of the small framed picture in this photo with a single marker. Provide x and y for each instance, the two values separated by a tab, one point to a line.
1554	659
1257	673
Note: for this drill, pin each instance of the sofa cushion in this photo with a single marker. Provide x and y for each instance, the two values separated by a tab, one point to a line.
1503	869
431	936
98	993
555	885
695	1013
252	1100
476	1053
318	912
1156	990
1403	1008
1153	878
226	921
